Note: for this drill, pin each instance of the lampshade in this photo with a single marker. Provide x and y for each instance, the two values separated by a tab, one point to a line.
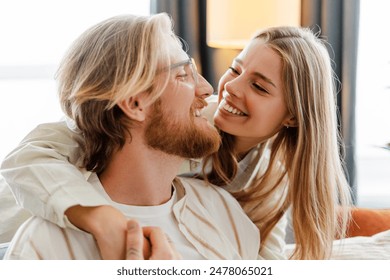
232	23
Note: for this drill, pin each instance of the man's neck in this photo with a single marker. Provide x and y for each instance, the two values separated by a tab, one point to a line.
138	175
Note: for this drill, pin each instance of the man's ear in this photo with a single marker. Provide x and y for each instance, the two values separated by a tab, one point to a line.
134	107
290	122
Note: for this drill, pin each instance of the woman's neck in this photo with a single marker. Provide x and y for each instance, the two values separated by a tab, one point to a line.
243	145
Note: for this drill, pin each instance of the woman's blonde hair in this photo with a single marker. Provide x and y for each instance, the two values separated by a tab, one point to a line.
307	157
116	59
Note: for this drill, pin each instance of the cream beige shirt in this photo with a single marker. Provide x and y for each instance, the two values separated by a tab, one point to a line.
208	217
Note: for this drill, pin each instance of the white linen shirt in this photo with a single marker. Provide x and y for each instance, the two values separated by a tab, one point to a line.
207	216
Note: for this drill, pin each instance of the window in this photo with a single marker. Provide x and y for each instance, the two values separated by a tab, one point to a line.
373	105
34	36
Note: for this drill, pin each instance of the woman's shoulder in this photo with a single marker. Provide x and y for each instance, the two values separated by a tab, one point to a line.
250	168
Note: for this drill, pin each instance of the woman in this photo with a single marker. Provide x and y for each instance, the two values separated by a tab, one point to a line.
277	117
279	93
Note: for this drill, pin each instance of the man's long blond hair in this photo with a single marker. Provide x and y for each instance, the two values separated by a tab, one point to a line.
306	158
113	60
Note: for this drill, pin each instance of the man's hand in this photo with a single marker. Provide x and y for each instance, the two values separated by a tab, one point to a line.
148	243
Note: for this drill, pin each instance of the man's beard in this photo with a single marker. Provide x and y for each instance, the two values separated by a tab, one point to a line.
180	138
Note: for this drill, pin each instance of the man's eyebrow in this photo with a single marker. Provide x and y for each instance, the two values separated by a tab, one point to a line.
181	63
258	74
176	65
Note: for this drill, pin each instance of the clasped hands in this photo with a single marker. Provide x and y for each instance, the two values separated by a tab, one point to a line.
119	238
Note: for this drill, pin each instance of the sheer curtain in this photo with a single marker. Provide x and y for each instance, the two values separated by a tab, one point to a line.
34	37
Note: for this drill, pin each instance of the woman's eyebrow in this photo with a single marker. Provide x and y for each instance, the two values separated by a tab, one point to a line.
258	74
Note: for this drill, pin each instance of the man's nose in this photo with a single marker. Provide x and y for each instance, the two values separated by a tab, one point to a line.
203	88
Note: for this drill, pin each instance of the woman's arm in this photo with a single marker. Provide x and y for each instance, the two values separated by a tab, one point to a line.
45	181
42	176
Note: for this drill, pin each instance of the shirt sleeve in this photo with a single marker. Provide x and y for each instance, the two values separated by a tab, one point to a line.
275	246
43	177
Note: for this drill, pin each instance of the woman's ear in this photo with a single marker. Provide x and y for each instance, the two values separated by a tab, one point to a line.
290	122
134	108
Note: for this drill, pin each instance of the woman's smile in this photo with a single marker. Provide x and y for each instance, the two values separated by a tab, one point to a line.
230	109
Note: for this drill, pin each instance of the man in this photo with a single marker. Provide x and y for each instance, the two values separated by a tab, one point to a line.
134	96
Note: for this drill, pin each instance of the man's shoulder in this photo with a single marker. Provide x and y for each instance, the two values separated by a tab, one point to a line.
199	185
41	239
212	205
39	230
211	197
35	226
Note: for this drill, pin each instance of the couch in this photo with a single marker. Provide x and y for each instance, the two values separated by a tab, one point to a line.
3	249
368	236
367	222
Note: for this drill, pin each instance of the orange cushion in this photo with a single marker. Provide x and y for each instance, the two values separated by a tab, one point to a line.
367	222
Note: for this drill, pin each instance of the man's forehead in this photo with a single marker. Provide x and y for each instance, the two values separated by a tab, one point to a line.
177	55
176	51
179	58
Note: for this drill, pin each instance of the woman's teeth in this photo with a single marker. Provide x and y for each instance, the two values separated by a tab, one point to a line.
232	110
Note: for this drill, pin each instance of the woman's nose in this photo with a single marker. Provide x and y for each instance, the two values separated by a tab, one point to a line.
234	87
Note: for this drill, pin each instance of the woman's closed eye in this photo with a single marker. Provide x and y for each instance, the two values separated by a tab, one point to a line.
259	88
234	71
